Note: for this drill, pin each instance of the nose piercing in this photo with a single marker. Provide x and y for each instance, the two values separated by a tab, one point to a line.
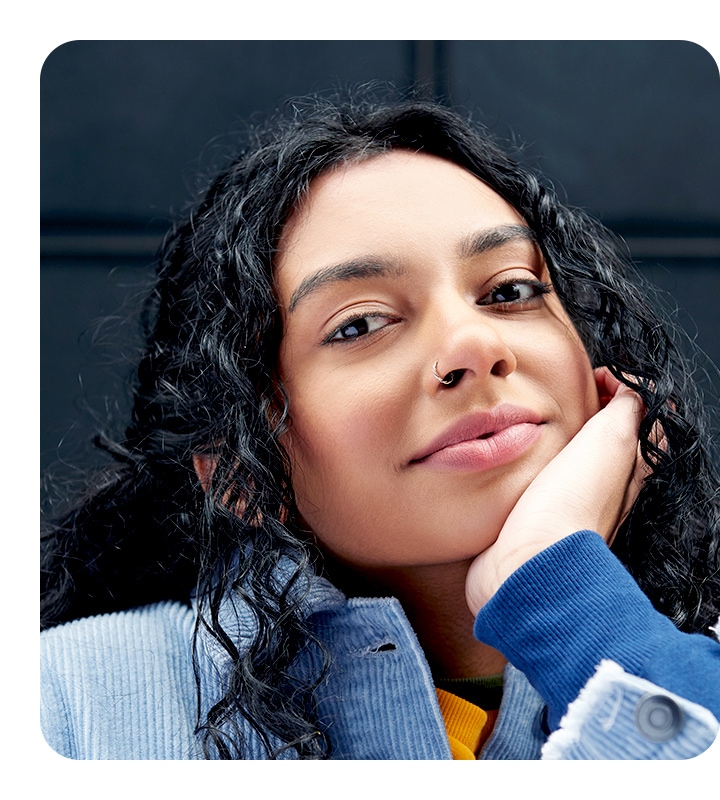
446	381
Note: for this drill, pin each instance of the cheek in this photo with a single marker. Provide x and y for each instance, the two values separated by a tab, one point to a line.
573	382
561	368
338	430
335	413
321	427
343	442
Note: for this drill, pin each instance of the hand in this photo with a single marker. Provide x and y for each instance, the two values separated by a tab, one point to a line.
591	484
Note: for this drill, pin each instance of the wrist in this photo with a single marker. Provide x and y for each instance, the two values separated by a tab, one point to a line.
564	611
494	566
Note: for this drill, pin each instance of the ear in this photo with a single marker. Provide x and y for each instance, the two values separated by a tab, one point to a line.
204	468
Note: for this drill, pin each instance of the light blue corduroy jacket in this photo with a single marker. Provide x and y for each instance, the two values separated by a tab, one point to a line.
121	686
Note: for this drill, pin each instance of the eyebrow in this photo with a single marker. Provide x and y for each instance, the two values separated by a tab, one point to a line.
362	269
492	238
355	269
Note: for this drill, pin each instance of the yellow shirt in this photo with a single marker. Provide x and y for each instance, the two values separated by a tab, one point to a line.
468	726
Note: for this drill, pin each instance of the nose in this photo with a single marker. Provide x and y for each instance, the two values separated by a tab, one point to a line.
467	344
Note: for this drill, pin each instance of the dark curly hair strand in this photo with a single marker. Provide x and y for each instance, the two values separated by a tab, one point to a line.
144	529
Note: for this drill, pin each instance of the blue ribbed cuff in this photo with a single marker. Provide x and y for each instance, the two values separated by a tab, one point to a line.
565	610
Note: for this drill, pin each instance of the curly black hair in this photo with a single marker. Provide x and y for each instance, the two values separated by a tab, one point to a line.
144	529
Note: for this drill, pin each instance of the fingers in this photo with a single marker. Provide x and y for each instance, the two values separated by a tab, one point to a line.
607	384
621	412
640	472
592	483
610	389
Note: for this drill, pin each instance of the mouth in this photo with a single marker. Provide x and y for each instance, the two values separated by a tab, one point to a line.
482	441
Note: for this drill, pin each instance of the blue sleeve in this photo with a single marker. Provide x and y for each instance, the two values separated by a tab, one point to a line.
574	605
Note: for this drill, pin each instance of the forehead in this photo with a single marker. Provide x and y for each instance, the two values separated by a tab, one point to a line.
385	205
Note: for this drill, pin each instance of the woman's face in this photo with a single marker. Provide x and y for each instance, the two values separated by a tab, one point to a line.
388	267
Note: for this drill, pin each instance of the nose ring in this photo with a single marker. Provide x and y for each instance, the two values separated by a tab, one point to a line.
446	381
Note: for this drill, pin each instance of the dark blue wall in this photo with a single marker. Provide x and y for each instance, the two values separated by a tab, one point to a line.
628	130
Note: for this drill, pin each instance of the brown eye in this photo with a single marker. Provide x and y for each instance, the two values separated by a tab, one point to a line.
514	293
510	293
357	327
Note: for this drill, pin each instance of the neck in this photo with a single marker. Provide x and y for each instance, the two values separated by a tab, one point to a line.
433	598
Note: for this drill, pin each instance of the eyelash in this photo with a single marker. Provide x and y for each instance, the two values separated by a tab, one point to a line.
355	318
539	288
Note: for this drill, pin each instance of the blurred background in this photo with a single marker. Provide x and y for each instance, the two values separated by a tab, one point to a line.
629	130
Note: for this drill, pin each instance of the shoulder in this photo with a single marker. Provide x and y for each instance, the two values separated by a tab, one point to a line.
127	642
166	622
120	685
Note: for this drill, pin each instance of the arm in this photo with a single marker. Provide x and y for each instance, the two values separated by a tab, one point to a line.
557	603
573	608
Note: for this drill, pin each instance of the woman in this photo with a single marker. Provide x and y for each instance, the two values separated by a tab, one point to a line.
394	403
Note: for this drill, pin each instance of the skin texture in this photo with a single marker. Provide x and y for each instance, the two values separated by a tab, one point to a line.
362	409
390	266
592	483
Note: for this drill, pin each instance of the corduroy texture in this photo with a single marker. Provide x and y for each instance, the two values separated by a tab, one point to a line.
121	686
597	723
574	605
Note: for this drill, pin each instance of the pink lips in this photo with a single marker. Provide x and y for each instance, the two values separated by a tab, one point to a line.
482	441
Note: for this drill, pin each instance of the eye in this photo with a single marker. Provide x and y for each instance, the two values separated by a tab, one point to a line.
357	327
515	293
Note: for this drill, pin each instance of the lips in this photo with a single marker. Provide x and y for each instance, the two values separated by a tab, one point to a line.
482	440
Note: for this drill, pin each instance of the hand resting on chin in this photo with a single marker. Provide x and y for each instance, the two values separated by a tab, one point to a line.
590	485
